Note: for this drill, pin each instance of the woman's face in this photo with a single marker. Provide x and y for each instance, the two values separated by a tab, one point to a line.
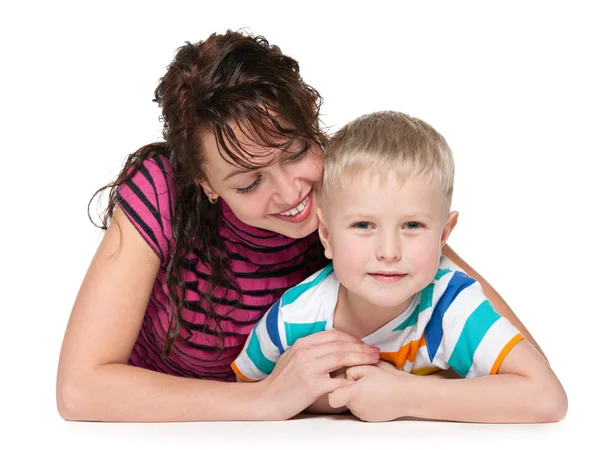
281	195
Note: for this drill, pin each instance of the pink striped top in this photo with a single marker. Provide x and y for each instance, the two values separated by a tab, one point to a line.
263	263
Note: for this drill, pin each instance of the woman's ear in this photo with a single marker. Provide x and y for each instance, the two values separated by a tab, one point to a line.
324	235
208	191
450	224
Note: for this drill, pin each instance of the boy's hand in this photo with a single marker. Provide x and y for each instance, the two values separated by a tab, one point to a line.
373	395
301	375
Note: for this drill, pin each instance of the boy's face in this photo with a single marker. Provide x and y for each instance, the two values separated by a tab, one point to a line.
385	236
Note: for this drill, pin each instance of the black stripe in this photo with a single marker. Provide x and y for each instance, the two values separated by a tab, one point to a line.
204	329
197	308
234	230
140	195
265	249
138	220
146	173
160	164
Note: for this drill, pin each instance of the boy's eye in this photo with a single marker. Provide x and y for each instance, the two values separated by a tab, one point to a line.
361	225
413	225
247	189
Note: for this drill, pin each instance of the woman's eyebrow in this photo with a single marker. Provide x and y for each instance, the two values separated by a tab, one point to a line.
236	172
285	147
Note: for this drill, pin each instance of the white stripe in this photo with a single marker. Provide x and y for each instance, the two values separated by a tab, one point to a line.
492	344
455	318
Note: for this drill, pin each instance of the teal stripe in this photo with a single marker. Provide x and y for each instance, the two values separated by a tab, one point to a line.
441	272
257	357
295	331
476	326
426	297
410	321
292	294
425	302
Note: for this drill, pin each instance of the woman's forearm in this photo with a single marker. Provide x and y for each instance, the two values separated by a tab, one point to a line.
503	398
499	304
122	393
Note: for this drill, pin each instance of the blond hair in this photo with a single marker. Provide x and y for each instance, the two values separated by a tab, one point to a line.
388	142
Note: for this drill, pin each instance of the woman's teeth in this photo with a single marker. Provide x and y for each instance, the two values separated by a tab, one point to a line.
297	209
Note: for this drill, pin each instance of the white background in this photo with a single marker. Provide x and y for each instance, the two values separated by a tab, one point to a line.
513	86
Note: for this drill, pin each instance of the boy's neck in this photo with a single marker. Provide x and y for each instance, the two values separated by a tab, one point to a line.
356	316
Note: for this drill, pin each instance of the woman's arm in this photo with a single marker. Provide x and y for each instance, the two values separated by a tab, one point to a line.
94	382
499	304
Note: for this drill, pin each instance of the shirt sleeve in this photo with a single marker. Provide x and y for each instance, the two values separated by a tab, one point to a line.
147	199
263	347
475	338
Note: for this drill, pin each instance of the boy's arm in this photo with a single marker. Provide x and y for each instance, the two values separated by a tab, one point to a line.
524	390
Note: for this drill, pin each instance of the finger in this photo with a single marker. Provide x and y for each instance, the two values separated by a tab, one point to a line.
334	361
323	337
356	373
319	350
340	397
388	367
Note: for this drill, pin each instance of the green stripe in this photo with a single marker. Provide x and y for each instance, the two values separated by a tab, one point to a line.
476	326
426	297
256	355
425	302
441	272
291	295
295	331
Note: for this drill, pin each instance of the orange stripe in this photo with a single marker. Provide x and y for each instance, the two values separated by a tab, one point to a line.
406	352
507	348
240	374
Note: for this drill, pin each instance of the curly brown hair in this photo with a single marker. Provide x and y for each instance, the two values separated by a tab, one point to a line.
226	79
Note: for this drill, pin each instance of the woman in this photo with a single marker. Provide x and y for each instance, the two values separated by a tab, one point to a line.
203	233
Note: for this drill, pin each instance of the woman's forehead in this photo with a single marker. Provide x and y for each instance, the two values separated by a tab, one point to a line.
243	145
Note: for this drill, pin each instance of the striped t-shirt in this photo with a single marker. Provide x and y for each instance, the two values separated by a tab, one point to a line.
263	263
449	324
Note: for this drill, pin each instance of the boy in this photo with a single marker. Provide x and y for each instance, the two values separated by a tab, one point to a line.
386	196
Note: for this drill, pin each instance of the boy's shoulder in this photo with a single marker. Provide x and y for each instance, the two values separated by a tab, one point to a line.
450	282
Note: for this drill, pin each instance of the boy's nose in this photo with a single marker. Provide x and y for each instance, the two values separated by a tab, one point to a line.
389	249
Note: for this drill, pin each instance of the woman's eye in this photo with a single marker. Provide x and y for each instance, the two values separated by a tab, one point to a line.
247	189
413	225
301	154
362	225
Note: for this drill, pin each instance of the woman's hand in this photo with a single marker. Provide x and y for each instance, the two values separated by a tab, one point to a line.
372	392
301	375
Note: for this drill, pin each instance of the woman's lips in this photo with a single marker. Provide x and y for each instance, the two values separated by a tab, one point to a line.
302	215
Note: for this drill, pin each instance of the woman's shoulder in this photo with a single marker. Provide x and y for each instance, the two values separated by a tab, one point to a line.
147	198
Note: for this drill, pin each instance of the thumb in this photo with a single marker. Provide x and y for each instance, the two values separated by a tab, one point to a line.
340	397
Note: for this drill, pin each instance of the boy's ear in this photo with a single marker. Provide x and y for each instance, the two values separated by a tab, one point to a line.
450	224
324	235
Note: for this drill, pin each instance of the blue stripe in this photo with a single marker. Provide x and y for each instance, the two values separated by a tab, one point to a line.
273	326
292	294
257	357
433	330
295	331
476	327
